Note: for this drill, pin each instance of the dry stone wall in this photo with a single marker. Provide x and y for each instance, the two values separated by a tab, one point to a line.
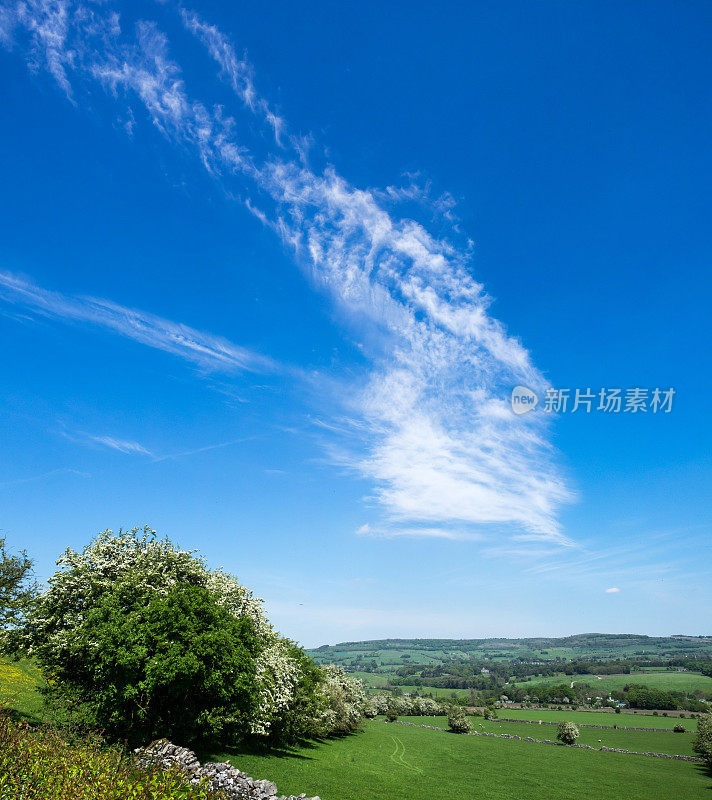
222	777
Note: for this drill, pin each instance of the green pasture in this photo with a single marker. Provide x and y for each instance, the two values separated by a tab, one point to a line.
667	681
679	744
404	763
624	720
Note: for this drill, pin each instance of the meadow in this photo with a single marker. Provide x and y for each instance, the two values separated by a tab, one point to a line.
667	681
19	684
405	763
679	744
628	719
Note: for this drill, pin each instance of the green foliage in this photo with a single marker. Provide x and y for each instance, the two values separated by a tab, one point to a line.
391	715
703	740
567	732
490	712
16	591
341	701
142	639
642	696
179	665
457	720
678	728
39	764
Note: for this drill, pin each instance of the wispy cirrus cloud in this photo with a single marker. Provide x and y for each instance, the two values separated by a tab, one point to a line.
429	427
204	350
134	448
122	445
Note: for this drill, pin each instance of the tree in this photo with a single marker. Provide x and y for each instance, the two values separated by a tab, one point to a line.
457	720
702	743
97	624
567	732
17	591
180	666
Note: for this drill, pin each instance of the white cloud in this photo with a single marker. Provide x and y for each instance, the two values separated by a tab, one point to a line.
613	590
122	445
204	350
431	429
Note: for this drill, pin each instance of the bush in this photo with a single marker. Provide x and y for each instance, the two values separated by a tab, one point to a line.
490	712
567	732
702	744
40	764
617	711
679	728
179	666
391	715
144	640
457	720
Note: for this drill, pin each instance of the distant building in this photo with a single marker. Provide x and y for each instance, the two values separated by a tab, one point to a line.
484	671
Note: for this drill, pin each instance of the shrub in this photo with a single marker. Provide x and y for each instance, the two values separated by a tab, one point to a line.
391	715
457	720
340	701
702	744
490	712
180	666
617	711
144	639
36	764
679	728
567	732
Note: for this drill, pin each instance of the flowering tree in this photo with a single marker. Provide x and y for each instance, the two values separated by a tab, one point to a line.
567	732
111	584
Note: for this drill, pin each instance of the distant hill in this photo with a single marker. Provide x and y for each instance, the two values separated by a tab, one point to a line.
392	652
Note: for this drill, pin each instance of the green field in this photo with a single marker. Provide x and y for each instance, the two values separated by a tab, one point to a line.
639	741
436	691
668	681
19	682
404	763
625	720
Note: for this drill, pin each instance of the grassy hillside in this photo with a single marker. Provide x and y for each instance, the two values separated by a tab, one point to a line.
19	684
587	645
404	763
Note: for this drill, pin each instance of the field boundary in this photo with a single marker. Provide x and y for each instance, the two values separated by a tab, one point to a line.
694	759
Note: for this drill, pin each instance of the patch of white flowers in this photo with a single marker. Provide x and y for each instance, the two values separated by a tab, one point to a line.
382	703
156	565
343	701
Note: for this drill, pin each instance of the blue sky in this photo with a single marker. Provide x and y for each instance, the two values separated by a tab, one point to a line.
269	275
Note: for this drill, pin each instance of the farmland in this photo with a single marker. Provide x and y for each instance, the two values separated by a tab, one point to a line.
394	652
639	741
665	680
638	719
405	763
